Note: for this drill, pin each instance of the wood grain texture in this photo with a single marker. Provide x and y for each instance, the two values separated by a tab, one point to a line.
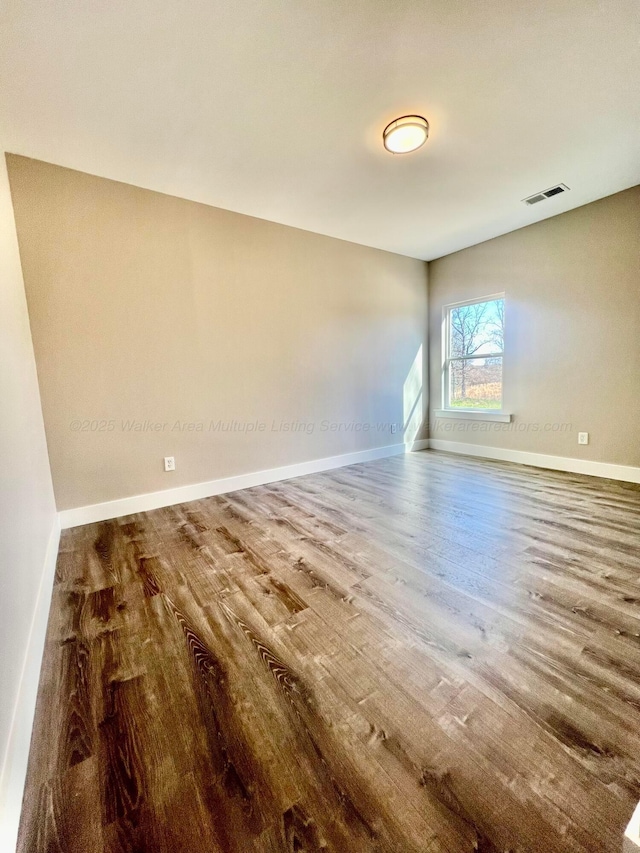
426	653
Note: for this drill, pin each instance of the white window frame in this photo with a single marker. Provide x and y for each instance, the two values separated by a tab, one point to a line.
455	411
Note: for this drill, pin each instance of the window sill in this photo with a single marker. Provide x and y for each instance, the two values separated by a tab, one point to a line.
474	415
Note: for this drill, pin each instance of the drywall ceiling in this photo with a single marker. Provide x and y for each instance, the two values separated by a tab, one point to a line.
275	108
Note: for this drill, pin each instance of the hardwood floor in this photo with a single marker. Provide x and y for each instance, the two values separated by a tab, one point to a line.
424	653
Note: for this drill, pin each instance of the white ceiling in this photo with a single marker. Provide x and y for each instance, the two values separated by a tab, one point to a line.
275	108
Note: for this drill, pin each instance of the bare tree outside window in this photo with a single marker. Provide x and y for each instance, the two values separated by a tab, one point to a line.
473	363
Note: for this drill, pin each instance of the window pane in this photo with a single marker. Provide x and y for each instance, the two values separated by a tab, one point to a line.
475	383
476	329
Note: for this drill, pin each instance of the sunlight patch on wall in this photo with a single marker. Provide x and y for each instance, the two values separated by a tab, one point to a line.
412	399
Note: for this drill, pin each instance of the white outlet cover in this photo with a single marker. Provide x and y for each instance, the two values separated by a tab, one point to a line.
169	463
583	438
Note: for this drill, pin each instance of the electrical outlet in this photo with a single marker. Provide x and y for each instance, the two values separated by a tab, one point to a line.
583	438
394	428
169	463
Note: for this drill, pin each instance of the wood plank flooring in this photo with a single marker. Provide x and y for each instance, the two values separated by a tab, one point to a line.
425	653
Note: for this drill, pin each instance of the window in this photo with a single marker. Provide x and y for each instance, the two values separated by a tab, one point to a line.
473	351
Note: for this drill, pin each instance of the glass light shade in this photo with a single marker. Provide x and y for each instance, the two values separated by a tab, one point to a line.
405	134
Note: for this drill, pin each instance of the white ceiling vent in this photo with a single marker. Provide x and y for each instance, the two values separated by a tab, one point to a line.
534	199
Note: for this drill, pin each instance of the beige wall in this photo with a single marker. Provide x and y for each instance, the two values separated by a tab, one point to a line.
27	510
572	336
146	307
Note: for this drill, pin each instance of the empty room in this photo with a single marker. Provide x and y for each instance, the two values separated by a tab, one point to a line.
320	426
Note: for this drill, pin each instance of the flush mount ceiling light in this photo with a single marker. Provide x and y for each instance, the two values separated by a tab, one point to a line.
405	134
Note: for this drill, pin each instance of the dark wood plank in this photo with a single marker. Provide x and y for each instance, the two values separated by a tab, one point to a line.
427	653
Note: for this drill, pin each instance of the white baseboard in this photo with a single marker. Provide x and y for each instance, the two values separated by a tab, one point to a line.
14	768
627	473
182	494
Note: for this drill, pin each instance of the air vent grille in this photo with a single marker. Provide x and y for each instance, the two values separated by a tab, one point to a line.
541	196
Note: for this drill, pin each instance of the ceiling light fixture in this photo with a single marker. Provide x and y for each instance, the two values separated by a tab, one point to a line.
405	134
